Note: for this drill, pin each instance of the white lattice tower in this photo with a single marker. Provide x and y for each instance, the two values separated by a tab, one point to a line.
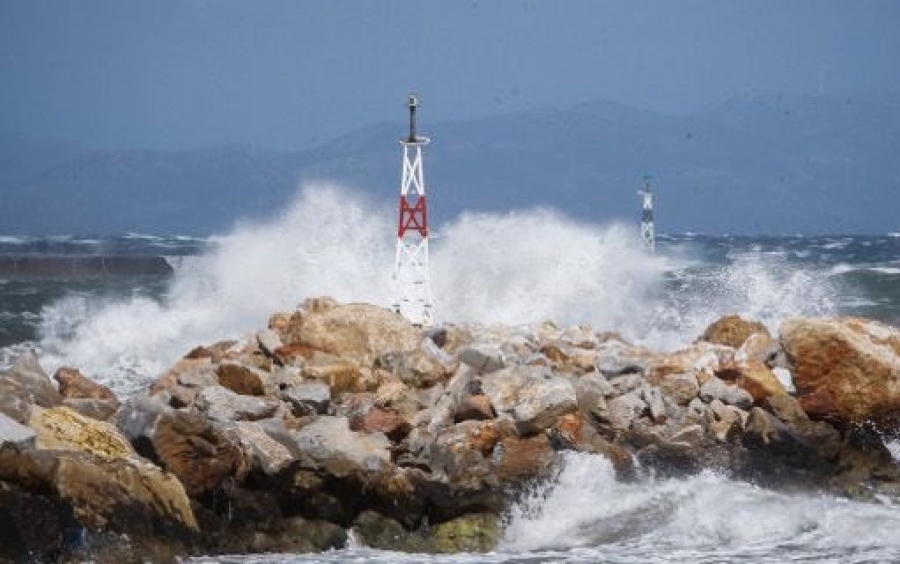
648	231
411	278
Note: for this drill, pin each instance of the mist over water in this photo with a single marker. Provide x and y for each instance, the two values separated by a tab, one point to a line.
518	268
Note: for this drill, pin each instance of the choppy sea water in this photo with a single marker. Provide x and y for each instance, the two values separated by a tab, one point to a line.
517	268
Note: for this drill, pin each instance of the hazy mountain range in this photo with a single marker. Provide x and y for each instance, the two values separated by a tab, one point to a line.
755	163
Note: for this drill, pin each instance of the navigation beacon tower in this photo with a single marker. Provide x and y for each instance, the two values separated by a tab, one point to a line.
648	232
413	284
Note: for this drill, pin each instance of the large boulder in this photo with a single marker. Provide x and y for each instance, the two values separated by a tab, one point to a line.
90	471
360	332
845	370
732	331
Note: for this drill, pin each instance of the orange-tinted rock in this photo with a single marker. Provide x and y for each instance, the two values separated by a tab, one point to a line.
340	376
760	381
555	353
358	332
74	385
477	407
386	421
845	369
215	352
240	379
522	459
189	446
732	331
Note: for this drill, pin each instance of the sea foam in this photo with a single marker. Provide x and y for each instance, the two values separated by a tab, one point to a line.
520	267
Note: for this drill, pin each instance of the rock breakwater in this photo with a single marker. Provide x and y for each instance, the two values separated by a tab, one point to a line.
339	418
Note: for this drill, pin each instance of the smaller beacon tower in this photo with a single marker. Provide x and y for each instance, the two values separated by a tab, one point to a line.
411	279
648	231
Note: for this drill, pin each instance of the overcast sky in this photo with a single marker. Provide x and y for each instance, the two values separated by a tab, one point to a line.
161	73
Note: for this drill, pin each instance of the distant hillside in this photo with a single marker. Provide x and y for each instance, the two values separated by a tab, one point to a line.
754	163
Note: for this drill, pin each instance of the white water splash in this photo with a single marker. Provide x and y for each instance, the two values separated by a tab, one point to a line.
517	268
585	507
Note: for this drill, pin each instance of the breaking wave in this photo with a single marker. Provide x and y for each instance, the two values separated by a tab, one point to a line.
703	518
517	268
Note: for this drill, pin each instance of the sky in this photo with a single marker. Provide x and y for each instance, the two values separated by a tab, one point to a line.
292	74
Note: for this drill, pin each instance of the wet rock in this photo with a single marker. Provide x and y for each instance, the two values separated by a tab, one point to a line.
845	370
308	398
478	532
715	388
221	404
241	379
89	466
732	331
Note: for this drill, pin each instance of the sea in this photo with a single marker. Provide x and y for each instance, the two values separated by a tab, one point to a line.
521	268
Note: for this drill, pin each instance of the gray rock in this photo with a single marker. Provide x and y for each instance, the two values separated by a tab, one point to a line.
308	398
622	411
268	342
715	388
591	391
696	410
483	358
220	403
624	383
15	435
682	388
138	416
453	454
28	382
263	453
95	408
531	395
616	357
654	399
330	444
